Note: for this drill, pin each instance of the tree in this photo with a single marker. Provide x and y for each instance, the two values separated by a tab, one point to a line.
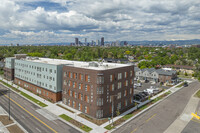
186	74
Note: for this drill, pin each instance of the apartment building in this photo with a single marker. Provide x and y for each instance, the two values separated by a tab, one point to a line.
41	76
89	87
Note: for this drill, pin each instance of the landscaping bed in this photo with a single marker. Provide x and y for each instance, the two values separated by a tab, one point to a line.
5	120
14	129
95	121
180	85
33	99
128	116
65	108
197	94
76	123
13	88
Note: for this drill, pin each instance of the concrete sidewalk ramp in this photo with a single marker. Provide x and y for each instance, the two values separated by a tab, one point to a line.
50	116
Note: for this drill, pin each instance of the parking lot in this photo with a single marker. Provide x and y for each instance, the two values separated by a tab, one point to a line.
147	85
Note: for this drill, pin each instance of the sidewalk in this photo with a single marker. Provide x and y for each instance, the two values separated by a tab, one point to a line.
179	124
56	110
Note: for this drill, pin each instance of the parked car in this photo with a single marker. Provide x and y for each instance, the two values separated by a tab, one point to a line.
135	86
185	84
139	84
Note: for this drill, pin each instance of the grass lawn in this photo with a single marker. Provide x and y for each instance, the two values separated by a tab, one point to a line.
33	99
76	123
198	94
180	85
13	88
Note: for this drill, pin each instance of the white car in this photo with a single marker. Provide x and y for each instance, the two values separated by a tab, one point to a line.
139	84
135	86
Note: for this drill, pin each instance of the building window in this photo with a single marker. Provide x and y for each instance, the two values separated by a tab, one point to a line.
73	84
99	90
79	86
86	87
88	78
113	87
126	102
119	95
125	93
126	83
81	77
75	95
71	75
69	102
111	78
119	106
119	76
70	93
119	85
131	73
99	101
81	96
73	104
79	106
76	76
99	113
125	74
100	80
86	109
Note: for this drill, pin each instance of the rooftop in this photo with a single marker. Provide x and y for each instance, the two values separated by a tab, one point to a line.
80	64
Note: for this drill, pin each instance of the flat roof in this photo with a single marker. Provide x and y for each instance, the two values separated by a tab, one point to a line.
79	64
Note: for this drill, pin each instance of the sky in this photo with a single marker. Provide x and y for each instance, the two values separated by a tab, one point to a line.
56	21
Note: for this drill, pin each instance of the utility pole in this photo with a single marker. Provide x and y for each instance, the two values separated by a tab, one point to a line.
9	102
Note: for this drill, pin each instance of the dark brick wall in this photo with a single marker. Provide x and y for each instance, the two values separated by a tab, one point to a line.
8	73
93	88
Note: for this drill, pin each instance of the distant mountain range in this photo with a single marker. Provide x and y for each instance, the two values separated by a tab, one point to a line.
146	42
178	42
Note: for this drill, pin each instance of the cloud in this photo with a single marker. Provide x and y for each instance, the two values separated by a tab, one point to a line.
113	19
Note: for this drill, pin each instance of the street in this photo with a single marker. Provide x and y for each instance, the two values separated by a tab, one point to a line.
24	113
161	116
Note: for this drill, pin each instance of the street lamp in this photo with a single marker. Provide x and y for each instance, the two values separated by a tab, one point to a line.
9	96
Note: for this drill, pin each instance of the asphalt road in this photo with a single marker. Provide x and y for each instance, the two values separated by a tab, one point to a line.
192	127
24	113
161	116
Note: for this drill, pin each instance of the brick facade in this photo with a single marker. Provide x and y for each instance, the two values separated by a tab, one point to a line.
8	73
49	95
80	89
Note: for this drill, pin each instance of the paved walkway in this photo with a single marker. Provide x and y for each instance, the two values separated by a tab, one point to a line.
179	124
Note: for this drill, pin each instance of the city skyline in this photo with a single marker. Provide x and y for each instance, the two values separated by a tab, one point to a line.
39	21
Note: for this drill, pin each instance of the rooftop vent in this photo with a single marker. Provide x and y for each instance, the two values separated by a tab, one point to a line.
93	64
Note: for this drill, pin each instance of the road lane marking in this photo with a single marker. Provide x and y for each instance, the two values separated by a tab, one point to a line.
150	118
30	113
134	130
22	116
38	129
